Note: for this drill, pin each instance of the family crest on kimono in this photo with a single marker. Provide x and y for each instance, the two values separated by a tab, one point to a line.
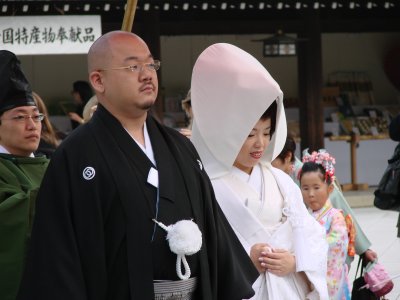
316	181
262	204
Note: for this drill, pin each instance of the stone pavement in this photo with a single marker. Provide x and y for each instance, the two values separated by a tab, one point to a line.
380	228
360	198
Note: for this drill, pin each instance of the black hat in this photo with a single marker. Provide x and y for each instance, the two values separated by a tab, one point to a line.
14	87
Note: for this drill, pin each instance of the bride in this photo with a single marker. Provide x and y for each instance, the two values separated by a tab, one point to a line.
239	127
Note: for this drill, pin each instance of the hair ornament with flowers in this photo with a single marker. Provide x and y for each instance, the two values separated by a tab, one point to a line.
323	158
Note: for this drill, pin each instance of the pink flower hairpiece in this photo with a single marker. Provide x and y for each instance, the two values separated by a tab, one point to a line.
322	157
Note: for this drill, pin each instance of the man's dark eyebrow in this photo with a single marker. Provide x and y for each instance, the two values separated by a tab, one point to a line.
26	110
129	58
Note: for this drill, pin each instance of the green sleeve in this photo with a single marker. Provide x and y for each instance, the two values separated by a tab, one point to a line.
17	197
16	212
338	201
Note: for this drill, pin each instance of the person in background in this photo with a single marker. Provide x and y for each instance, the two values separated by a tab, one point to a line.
285	160
81	94
362	244
239	126
112	182
20	171
394	129
316	183
48	138
187	108
394	134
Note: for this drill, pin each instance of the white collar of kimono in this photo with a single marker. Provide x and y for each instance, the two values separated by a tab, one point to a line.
254	179
147	148
230	90
4	150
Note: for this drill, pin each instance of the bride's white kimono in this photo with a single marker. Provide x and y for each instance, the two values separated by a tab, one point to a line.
230	91
274	213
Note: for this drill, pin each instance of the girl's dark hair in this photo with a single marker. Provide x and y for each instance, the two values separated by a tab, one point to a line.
270	113
309	167
290	147
83	89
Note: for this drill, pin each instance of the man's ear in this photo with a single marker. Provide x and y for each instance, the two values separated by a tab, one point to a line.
96	79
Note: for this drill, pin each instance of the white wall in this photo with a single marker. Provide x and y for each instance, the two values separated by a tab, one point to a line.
372	159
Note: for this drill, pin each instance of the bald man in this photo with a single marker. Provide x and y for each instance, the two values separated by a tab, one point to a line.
94	236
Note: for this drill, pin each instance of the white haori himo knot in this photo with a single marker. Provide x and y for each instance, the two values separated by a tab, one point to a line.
184	238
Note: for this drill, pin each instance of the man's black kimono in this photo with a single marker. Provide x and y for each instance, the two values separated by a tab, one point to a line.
92	235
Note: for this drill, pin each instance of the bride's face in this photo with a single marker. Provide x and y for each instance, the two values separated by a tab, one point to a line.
254	146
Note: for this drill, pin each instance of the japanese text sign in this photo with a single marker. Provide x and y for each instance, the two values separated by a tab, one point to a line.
49	34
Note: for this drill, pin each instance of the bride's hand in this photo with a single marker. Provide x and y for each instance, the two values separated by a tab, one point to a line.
279	262
256	255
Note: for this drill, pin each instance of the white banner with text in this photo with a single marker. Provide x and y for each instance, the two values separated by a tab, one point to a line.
32	35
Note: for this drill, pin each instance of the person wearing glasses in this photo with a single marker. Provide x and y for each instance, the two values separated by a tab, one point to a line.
126	210
20	171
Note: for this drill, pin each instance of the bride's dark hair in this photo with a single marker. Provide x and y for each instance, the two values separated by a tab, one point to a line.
270	113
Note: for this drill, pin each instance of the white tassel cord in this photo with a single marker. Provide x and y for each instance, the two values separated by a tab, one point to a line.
187	274
184	238
161	225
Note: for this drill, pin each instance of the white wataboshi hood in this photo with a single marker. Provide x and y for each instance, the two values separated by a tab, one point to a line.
230	92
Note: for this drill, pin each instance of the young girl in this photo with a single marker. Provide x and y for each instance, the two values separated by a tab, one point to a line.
316	182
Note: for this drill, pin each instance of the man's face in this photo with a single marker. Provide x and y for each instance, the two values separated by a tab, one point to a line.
130	91
20	136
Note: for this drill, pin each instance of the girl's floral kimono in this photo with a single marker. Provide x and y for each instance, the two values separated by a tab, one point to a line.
338	234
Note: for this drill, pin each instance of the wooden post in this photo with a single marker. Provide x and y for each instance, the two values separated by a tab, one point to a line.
309	59
353	157
149	30
354	185
129	15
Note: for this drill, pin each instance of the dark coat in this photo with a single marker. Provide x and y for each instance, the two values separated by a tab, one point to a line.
92	238
45	149
394	129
